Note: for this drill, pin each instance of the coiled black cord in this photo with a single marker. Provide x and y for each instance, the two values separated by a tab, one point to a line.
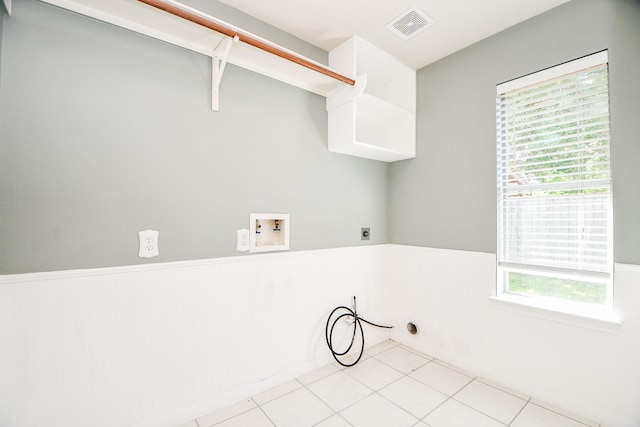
357	324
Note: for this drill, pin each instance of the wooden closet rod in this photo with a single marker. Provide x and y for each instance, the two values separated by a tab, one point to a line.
215	26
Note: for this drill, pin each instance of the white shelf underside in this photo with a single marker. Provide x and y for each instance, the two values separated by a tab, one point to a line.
141	18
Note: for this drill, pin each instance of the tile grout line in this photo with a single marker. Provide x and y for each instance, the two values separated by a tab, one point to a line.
453	368
445	364
558	413
463	387
338	412
443	402
232	417
344	368
331	416
376	391
264	413
351	404
433	360
398	406
527	401
497	387
321	378
428	360
436	408
384	363
407	375
282	395
478	410
305	386
520	411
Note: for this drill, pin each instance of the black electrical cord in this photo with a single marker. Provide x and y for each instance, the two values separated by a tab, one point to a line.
357	324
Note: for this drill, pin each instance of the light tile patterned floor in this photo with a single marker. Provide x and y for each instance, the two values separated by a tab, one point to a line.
392	386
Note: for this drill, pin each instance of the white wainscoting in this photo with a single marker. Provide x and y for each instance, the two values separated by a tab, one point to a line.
153	346
160	344
593	372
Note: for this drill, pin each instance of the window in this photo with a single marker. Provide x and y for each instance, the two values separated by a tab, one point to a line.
554	183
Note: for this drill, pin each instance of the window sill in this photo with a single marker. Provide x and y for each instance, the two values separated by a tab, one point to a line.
585	317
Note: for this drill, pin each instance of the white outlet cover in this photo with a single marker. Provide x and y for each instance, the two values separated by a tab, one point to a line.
242	240
148	244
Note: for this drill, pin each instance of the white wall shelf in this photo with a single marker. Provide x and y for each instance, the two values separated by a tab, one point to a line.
375	119
145	19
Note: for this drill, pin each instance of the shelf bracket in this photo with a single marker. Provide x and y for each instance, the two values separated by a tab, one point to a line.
218	64
343	94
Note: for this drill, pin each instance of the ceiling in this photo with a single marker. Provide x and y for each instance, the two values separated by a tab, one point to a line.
458	23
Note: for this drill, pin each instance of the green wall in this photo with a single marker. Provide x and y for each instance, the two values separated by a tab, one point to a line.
446	196
105	132
2	17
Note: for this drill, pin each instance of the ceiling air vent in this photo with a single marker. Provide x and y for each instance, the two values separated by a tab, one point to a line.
410	23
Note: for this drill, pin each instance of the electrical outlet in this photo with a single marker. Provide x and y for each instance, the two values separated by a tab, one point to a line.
242	240
365	233
148	244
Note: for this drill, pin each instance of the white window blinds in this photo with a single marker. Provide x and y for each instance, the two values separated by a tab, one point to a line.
554	181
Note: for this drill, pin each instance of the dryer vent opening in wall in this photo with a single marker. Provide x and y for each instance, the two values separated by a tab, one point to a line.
410	23
412	328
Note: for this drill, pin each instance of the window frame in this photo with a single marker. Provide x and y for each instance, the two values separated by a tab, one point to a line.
502	270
